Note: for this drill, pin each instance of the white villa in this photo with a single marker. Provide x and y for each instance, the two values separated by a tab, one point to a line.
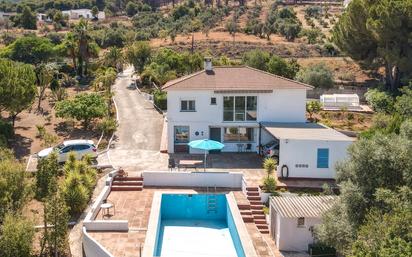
246	108
83	13
292	219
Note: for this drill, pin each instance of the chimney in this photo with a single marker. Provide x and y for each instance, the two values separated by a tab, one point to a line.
208	64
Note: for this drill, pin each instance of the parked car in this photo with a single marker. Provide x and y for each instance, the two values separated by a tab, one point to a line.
79	147
271	149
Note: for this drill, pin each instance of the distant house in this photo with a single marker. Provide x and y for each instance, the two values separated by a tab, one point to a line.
245	109
42	17
83	13
292	219
7	15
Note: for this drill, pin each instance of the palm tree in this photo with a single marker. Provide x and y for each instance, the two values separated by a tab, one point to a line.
70	45
114	58
81	34
105	78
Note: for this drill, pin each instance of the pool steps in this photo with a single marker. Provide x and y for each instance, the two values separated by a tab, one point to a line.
253	212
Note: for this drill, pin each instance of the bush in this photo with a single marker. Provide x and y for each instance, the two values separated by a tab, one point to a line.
256	59
318	75
6	132
380	101
108	126
313	11
17	236
321	250
160	99
269	185
75	193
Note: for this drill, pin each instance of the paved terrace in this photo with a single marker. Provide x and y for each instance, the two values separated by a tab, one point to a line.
135	207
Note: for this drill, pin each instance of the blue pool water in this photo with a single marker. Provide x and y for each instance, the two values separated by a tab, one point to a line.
196	225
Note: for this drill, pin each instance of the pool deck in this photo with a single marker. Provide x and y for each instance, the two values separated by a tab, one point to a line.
135	207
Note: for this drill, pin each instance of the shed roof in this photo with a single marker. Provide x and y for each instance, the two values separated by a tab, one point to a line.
302	206
233	78
304	131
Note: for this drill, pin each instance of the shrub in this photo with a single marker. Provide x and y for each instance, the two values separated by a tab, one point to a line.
108	126
6	132
318	75
281	67
269	185
160	99
75	193
269	164
257	59
379	101
313	11
17	236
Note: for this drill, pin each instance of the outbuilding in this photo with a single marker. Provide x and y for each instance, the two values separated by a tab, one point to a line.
292	219
306	150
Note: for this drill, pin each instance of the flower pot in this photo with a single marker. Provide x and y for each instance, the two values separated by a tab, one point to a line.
264	197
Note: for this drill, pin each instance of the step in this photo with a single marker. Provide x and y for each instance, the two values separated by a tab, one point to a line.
253	198
126	188
255	203
264	231
253	193
252	189
128	178
246	212
259	221
243	206
258	212
262	226
127	183
247	219
259	216
256	207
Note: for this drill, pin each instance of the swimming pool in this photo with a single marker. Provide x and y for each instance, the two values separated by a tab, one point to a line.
196	225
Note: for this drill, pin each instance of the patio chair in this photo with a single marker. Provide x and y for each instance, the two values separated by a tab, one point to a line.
248	148
172	164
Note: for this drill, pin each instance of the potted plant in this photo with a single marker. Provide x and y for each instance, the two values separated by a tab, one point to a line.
269	183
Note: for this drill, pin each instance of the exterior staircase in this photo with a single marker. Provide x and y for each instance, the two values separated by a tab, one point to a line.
127	184
253	212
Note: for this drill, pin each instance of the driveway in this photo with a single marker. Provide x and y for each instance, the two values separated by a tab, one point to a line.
136	145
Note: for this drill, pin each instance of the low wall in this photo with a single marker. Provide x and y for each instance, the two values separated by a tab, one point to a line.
107	225
193	179
92	248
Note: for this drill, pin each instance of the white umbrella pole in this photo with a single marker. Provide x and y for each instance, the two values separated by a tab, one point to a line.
204	168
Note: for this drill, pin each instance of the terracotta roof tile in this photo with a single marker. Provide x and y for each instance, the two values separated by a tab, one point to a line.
234	78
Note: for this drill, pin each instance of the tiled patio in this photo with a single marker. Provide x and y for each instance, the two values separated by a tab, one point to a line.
135	207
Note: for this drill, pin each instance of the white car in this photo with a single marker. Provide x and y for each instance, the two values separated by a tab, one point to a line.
79	147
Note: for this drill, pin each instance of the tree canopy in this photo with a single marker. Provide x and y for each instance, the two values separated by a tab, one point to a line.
84	107
374	33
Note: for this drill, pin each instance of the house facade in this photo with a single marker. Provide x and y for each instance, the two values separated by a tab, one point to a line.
227	104
83	13
245	109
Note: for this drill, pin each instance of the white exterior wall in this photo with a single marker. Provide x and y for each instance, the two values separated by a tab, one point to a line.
290	237
292	152
279	106
193	179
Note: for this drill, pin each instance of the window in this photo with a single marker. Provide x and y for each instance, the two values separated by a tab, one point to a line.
323	158
181	134
187	106
239	108
80	147
67	149
301	222
238	134
213	100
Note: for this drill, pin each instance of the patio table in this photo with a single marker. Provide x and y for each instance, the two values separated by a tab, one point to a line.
189	164
106	209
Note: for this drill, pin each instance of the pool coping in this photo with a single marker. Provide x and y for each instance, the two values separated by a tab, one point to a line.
151	234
